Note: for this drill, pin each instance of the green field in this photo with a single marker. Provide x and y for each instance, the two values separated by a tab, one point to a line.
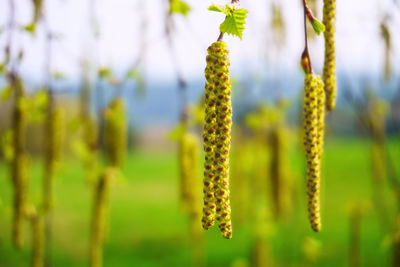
147	227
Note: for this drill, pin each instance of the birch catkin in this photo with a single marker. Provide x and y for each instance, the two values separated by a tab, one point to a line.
329	70
188	155
115	133
313	136
55	136
99	217
217	139
37	226
20	162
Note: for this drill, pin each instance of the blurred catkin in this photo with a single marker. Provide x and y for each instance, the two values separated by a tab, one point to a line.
37	227
99	217
313	136
329	70
20	162
37	9
115	132
188	157
218	81
385	33
278	166
54	146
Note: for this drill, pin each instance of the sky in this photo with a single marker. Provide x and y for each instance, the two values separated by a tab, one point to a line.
120	27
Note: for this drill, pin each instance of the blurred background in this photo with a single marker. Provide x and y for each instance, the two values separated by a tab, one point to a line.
79	56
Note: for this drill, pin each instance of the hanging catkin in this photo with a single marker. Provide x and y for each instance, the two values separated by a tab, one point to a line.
54	144
329	70
37	9
115	132
99	217
277	168
20	162
313	137
37	227
217	139
188	156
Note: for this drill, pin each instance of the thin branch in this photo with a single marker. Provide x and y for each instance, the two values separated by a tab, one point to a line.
306	53
182	84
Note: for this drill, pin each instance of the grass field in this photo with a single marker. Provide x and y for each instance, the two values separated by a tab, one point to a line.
147	227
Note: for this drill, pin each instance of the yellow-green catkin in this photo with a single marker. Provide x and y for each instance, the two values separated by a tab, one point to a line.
37	226
115	132
329	70
278	169
313	120
189	159
21	175
188	156
20	162
99	217
54	145
218	129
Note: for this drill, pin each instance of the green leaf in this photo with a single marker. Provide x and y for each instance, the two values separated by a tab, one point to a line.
104	72
31	27
6	93
226	9
318	26
180	7
234	24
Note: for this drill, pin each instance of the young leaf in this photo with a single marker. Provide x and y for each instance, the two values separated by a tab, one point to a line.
180	7
31	27
318	26
226	9
234	24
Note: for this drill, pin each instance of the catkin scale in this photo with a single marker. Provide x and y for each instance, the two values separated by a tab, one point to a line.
329	70
115	133
313	120
217	139
99	217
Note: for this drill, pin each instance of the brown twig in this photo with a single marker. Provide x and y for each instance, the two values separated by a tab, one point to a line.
306	53
182	84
